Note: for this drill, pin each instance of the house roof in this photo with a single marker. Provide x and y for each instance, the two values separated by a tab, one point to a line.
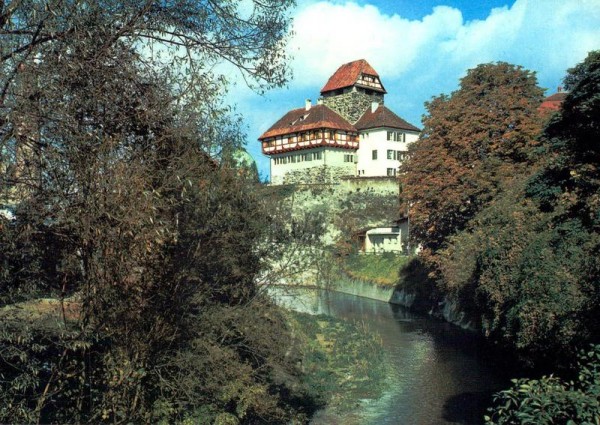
553	102
556	97
298	120
348	74
383	117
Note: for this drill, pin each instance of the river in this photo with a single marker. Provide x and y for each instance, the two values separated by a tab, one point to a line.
439	374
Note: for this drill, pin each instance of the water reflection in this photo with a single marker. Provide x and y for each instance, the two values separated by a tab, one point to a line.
440	375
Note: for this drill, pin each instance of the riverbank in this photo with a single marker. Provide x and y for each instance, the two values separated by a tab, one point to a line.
395	279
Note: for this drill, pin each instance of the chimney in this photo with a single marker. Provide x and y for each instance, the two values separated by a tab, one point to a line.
320	101
308	105
374	106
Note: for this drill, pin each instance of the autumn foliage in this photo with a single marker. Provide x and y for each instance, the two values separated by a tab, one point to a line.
472	141
129	252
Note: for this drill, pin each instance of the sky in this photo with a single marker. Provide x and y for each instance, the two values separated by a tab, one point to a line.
420	49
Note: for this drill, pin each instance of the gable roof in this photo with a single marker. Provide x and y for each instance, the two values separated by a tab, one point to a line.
556	97
348	74
383	117
553	102
297	120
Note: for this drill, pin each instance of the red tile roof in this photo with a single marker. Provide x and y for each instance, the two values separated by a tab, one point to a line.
298	120
348	74
560	96
383	117
553	103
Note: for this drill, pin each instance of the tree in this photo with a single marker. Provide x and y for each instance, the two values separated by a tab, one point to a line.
472	142
571	178
144	249
523	277
528	265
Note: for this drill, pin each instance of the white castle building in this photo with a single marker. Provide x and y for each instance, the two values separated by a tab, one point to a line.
348	133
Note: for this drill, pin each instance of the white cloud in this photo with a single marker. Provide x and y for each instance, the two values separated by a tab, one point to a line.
544	36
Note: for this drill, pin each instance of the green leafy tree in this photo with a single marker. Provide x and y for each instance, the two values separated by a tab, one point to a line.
523	277
571	179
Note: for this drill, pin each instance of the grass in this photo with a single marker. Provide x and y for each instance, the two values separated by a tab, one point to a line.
381	269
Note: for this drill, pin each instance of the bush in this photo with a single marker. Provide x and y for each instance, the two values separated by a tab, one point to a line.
550	400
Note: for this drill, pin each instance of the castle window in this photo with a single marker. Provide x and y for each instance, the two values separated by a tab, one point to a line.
317	156
391	154
374	154
391	172
348	158
396	136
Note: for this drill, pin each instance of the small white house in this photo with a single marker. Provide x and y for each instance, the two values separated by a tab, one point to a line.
385	239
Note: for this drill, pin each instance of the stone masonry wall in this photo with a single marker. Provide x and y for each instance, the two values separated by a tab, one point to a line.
315	175
380	185
352	105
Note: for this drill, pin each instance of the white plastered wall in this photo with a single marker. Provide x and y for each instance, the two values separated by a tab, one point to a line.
376	139
281	164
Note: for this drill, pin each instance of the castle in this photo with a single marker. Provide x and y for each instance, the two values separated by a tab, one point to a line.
349	133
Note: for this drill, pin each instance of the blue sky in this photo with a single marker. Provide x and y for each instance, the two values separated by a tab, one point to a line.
421	48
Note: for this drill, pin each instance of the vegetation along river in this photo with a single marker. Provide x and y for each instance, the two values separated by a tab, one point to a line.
437	374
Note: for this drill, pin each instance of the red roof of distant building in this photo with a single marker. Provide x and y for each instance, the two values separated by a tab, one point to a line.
347	75
553	103
560	96
383	117
298	120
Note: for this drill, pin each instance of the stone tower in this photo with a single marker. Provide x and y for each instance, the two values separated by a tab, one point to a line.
352	89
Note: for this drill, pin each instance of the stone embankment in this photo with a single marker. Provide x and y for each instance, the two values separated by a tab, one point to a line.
445	308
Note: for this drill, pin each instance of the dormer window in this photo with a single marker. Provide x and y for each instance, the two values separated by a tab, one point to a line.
301	118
